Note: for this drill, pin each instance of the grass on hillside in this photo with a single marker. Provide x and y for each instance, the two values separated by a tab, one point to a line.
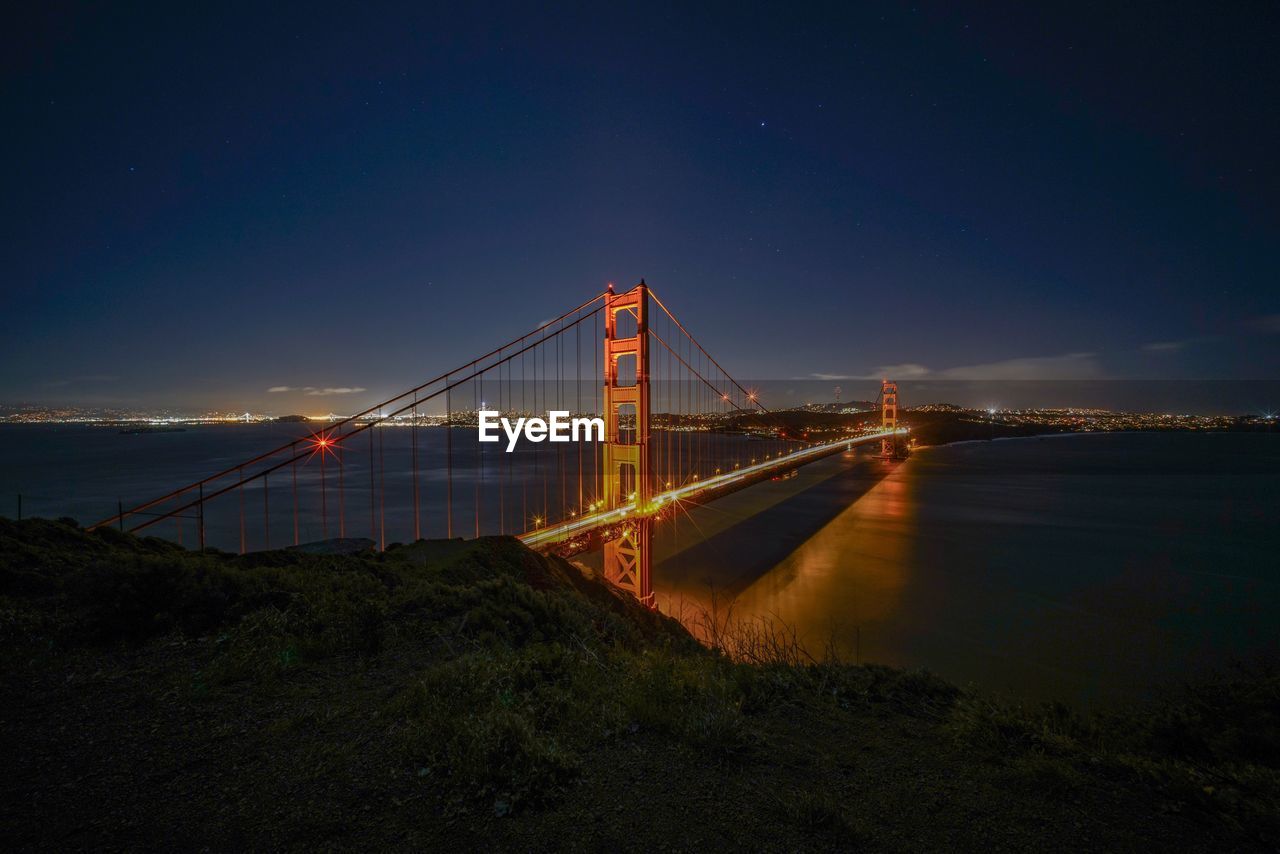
514	668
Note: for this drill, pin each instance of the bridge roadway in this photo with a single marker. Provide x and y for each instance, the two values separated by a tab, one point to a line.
553	535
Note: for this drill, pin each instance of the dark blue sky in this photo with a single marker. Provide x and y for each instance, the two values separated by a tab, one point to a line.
201	205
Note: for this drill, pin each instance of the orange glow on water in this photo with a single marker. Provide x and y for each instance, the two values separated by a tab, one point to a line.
839	586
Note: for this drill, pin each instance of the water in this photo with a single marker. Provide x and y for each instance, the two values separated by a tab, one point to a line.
463	487
87	472
1078	567
1082	567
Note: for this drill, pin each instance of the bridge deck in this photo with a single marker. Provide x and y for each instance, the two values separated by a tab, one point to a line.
721	483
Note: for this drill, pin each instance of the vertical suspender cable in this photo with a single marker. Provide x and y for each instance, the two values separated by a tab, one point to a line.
240	492
413	454
294	467
324	501
577	399
382	496
478	479
560	405
448	441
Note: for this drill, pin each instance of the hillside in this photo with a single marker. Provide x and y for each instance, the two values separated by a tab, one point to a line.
478	695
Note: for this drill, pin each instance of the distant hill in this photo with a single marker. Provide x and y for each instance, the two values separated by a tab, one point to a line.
291	419
846	406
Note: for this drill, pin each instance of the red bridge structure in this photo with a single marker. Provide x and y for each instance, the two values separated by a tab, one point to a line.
679	430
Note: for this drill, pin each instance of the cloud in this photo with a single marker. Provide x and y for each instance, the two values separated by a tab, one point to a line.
1174	346
313	391
1268	323
1069	366
905	371
324	392
89	378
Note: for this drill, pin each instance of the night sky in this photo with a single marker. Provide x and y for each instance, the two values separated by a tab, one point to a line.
202	205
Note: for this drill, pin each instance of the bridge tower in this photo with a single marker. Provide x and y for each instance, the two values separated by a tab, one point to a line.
889	417
626	463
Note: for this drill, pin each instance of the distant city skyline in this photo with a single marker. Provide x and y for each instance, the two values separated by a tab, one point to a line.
1204	397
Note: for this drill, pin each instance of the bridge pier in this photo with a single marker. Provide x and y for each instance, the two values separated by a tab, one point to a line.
626	463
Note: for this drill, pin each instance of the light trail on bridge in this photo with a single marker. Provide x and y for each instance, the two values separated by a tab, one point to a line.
564	531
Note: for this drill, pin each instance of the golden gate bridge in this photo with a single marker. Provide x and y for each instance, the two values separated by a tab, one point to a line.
679	431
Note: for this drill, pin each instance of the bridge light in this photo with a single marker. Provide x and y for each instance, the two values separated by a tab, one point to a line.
322	444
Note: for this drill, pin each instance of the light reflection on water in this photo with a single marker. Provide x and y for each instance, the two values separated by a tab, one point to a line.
1078	568
849	574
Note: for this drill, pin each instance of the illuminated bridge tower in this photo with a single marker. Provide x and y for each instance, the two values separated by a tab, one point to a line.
626	450
889	418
